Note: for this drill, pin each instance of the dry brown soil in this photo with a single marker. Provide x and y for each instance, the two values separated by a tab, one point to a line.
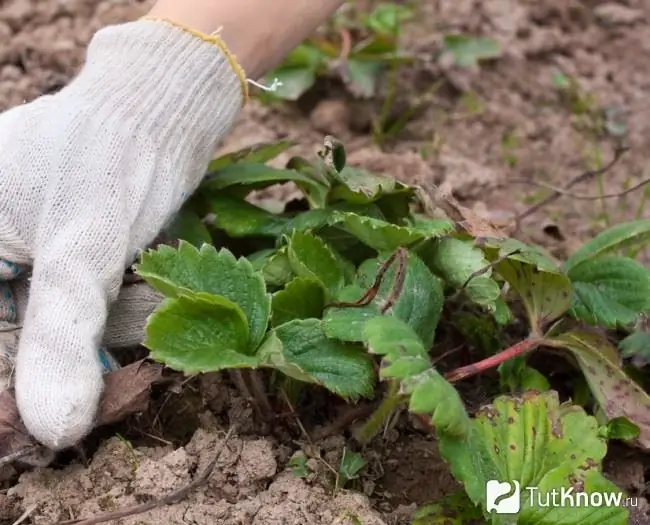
485	133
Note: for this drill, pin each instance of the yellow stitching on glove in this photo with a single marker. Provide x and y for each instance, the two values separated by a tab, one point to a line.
217	41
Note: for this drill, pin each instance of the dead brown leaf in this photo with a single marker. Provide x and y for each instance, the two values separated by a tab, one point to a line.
126	392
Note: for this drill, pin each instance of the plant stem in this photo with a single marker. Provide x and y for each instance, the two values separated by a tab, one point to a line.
373	426
495	360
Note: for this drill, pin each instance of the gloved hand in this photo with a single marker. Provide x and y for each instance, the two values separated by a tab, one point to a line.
88	177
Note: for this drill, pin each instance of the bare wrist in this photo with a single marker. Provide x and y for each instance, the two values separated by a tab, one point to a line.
258	32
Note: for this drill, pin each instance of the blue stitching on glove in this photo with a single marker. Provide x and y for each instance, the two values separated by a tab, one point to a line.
8	272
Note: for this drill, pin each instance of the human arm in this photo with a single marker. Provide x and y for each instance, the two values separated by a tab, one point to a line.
89	176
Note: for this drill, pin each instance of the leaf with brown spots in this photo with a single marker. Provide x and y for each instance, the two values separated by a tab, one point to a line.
615	392
546	294
539	443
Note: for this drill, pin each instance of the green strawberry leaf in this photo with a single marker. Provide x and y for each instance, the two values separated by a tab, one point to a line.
618	237
277	269
175	271
453	509
637	347
301	350
546	294
310	257
405	358
536	443
247	176
302	298
418	303
516	376
188	226
469	51
199	332
256	154
361	187
620	428
239	218
614	391
610	291
455	261
379	235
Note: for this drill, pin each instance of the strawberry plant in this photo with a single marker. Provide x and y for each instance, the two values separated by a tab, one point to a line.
357	49
344	290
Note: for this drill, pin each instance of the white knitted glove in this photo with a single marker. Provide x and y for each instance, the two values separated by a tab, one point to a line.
88	177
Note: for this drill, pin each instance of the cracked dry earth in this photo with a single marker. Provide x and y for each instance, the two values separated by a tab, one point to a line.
488	134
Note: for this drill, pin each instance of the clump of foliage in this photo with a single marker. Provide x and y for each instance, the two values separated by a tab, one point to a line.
356	47
345	288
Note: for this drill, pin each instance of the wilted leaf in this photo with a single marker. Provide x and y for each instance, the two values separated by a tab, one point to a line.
618	237
126	391
256	154
199	332
310	257
616	394
189	227
174	271
239	218
419	303
405	358
546	295
301	350
302	298
610	291
535	442
455	261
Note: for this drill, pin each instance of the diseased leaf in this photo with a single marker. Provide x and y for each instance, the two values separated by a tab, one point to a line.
189	227
302	298
301	350
455	261
239	218
618	237
199	332
310	257
616	394
546	294
419	304
380	235
610	291
534	441
404	358
256	154
175	271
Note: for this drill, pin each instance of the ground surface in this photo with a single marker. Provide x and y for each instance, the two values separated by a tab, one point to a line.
509	125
